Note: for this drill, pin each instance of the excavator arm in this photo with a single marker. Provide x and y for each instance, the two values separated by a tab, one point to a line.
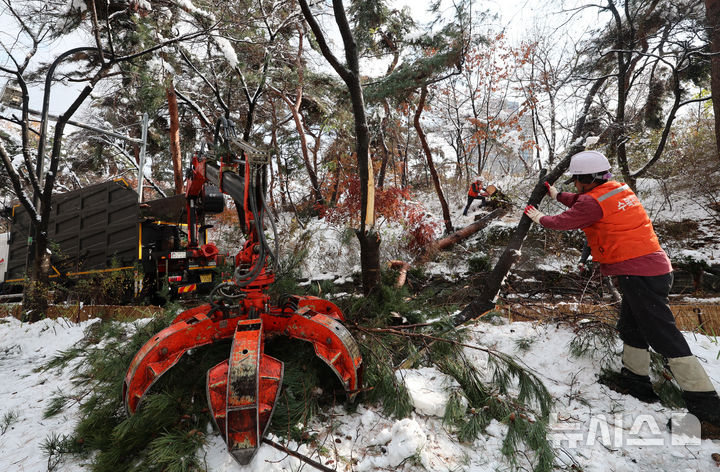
242	390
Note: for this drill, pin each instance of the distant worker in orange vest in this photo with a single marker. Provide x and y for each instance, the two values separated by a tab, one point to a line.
475	191
622	239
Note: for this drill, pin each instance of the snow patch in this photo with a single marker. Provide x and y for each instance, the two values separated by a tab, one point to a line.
189	7
691	255
379	443
408	440
429	390
17	162
142	5
227	50
709	301
78	5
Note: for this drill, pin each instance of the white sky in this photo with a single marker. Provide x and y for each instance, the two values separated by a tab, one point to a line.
61	95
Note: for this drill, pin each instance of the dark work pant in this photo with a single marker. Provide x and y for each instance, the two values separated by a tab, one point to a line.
645	316
469	202
585	253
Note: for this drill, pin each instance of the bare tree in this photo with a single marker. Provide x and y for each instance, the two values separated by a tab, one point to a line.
553	67
430	163
31	174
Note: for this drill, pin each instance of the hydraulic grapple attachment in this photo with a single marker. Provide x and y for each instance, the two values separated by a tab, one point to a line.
165	349
243	390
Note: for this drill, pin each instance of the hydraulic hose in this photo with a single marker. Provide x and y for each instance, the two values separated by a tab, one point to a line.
275	255
243	280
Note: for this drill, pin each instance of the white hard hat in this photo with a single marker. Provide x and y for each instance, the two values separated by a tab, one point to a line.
588	162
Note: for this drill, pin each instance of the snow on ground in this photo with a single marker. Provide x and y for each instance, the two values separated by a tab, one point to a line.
596	429
23	348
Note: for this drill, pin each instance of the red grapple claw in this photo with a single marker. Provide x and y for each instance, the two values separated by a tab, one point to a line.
243	390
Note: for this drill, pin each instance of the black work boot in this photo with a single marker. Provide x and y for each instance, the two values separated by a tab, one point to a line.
629	383
706	407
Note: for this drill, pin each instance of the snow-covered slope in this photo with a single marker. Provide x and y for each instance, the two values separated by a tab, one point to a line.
596	429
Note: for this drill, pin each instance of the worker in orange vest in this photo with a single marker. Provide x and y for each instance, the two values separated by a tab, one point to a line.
475	191
622	239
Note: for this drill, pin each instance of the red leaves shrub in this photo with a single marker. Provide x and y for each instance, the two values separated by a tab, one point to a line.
391	204
421	229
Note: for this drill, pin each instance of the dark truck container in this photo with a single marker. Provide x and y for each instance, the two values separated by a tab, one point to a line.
103	228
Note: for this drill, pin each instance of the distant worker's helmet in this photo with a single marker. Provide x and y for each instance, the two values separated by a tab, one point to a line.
589	162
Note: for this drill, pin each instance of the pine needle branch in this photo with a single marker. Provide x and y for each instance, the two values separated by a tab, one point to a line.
493	400
433	338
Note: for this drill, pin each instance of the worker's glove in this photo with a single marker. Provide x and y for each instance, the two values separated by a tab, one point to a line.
551	190
534	213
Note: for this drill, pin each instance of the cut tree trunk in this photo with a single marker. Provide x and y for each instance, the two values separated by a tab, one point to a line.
369	260
431	250
402	268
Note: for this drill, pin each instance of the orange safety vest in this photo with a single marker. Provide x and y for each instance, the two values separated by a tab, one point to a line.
624	231
475	188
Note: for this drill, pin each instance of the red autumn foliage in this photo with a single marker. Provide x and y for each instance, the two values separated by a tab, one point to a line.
391	204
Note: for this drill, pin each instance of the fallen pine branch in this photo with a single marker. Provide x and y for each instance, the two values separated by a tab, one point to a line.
297	455
433	339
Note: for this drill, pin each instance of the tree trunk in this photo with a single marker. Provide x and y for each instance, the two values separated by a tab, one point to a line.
315	184
35	301
369	260
298	120
384	160
617	139
486	300
402	268
274	145
404	178
443	243
36	296
175	152
350	74
335	193
712	13
626	38
392	45
431	165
